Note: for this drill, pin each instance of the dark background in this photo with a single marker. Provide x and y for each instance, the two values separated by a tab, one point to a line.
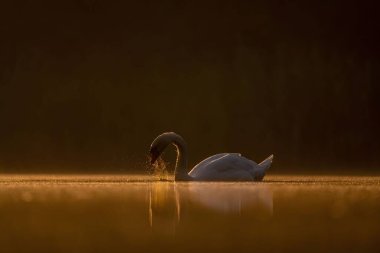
87	85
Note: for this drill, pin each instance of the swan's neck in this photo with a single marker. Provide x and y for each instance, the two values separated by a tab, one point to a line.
181	163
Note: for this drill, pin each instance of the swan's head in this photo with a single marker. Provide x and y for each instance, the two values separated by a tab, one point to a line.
158	146
154	154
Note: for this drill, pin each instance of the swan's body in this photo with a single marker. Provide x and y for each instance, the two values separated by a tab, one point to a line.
227	166
219	167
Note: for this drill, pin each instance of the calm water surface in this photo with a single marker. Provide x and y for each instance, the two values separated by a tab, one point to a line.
131	213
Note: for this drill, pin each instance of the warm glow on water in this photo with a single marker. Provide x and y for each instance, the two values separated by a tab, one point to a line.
132	213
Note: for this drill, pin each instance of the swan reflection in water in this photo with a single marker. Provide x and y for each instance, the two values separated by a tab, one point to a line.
167	199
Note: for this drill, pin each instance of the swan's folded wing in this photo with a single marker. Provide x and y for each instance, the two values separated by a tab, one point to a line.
228	166
212	159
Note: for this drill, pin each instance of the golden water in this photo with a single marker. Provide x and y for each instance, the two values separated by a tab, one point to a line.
132	213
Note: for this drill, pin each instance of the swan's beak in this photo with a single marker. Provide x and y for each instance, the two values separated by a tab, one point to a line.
153	156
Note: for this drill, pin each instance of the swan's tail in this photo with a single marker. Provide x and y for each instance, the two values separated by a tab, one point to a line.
266	163
263	166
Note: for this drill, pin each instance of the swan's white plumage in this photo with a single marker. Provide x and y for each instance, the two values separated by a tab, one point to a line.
219	167
225	166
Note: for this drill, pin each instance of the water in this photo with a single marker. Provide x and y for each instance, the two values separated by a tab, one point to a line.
132	213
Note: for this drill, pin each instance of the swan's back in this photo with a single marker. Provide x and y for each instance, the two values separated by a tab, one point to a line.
224	167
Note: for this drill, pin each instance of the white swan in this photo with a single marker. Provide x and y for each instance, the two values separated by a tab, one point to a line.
219	167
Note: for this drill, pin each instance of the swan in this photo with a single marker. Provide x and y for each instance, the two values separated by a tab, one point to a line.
219	167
